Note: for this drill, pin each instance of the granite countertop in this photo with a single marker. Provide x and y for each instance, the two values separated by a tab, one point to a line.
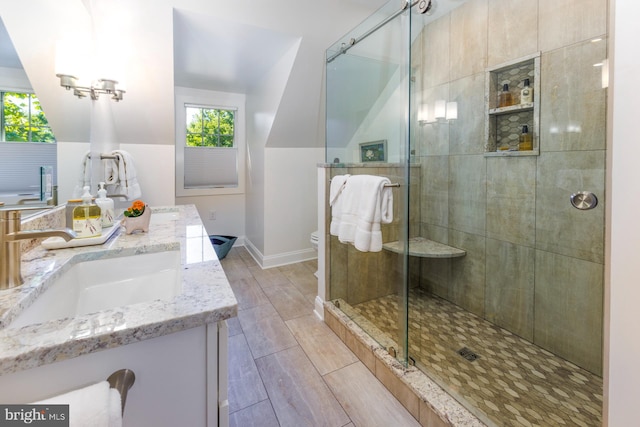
206	296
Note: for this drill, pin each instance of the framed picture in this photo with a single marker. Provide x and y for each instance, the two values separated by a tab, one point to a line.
374	151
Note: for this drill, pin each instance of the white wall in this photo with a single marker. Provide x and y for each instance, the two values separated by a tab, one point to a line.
229	212
384	121
14	79
155	166
622	342
287	108
263	102
149	160
291	208
70	158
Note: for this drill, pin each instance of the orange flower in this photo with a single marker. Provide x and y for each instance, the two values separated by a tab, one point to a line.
136	209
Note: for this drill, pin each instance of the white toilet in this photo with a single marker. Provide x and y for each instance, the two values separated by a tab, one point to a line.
314	243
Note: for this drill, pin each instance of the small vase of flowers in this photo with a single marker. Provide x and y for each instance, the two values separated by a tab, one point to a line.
137	217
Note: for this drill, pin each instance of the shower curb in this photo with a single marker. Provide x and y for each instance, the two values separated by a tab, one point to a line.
427	402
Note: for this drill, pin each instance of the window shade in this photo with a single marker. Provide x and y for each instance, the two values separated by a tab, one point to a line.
210	167
20	165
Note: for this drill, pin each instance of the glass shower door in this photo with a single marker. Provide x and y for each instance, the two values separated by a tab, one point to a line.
367	132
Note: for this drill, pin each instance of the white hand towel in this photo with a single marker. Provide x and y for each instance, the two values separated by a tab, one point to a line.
97	405
338	183
110	171
366	204
127	177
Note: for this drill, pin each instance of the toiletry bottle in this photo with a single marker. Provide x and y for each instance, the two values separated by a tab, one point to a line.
526	142
526	94
106	207
86	217
504	97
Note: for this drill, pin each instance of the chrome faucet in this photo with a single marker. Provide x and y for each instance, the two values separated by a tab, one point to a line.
10	253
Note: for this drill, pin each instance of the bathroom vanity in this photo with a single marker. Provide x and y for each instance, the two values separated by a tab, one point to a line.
173	334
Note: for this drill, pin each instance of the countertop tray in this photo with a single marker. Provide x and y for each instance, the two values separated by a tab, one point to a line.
59	242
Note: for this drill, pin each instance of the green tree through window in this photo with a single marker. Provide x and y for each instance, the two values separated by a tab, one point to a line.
210	127
23	119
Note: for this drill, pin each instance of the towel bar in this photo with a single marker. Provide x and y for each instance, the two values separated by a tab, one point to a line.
122	381
388	185
105	156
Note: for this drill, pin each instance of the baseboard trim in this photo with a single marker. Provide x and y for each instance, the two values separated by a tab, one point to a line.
278	260
319	307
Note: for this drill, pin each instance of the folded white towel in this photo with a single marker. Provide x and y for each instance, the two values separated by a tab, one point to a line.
110	167
127	182
97	405
366	203
338	183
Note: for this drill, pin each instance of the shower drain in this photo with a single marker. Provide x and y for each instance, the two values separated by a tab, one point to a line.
468	354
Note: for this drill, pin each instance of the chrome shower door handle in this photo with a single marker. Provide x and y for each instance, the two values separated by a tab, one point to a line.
584	200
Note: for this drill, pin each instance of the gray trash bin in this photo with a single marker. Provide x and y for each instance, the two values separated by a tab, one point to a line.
222	244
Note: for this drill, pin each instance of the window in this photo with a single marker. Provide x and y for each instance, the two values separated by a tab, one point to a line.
23	119
210	143
210	127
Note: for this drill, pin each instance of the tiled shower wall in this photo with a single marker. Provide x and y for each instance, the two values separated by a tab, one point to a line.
534	264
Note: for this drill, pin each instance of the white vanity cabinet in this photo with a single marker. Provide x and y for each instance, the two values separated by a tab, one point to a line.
176	346
181	378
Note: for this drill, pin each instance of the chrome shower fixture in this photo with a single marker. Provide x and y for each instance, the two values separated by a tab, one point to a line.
425	6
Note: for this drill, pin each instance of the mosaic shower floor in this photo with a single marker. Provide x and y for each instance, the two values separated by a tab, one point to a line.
511	382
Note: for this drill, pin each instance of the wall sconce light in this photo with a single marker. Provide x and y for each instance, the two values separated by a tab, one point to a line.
442	110
75	57
106	86
423	115
452	111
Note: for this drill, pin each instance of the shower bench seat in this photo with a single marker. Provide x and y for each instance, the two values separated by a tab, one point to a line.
425	248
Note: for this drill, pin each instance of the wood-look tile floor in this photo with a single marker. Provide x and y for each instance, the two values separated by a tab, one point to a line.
286	367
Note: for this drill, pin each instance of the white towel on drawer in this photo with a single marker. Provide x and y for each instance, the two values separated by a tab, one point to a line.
96	405
338	183
366	203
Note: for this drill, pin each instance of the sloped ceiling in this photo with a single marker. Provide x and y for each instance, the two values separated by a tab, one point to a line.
217	54
256	33
8	55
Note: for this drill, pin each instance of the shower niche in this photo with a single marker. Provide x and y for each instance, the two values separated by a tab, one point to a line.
504	124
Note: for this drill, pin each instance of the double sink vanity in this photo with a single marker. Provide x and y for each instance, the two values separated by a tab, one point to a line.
155	303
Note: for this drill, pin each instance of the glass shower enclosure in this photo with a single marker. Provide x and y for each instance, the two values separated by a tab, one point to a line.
367	99
490	280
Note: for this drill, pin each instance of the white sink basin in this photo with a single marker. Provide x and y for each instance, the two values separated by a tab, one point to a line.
91	286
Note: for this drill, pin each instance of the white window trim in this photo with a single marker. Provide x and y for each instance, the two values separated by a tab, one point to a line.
209	99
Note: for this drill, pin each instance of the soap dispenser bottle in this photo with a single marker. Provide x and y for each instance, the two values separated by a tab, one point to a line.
87	217
525	140
526	94
106	207
505	98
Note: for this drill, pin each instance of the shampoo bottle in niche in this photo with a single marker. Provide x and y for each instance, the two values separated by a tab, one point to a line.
87	221
504	97
526	94
526	142
106	207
